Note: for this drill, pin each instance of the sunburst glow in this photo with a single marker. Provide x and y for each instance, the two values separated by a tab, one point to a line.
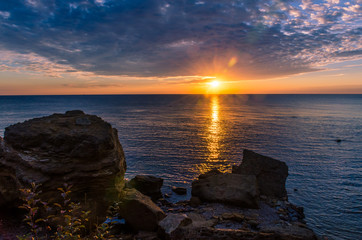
215	84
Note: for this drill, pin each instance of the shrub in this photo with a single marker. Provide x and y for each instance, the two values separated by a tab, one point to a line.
71	220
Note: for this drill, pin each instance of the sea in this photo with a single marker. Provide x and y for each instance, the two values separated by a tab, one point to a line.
178	137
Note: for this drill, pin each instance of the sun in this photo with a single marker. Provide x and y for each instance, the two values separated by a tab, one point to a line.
215	84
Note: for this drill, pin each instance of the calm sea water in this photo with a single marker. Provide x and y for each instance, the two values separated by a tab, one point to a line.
177	137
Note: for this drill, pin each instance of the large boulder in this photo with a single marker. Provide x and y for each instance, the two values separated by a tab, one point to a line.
271	174
235	189
139	211
148	185
75	148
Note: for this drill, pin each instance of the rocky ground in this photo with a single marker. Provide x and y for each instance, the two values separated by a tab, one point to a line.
83	150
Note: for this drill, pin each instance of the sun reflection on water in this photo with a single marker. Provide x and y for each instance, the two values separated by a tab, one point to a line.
214	130
213	137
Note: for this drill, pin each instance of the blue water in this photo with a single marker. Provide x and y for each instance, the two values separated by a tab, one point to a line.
177	137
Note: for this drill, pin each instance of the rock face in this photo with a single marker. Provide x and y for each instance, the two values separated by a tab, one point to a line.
169	226
139	211
148	185
271	174
79	149
236	189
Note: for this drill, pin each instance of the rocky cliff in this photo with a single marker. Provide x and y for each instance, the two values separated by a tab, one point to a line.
75	148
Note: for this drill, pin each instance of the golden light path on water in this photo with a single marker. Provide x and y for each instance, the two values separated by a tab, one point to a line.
214	135
214	130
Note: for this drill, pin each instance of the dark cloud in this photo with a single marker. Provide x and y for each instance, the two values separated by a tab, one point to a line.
349	53
189	37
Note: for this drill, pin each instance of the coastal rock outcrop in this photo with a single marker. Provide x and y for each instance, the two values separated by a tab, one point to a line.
148	185
75	148
271	174
139	211
235	189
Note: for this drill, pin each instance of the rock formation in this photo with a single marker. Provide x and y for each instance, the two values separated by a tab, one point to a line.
236	189
271	174
75	148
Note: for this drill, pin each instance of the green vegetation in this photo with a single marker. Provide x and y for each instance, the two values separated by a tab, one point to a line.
64	220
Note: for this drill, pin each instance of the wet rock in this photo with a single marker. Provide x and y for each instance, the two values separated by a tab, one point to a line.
79	149
271	174
179	190
236	189
139	211
172	223
148	185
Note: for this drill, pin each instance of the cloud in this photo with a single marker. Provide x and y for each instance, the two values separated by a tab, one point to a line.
161	38
349	53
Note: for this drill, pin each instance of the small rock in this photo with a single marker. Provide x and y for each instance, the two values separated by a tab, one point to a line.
171	223
139	211
253	224
237	217
195	202
148	185
179	190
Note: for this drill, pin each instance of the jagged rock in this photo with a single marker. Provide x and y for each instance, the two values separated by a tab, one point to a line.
139	211
271	174
179	190
148	185
210	173
236	189
169	226
79	149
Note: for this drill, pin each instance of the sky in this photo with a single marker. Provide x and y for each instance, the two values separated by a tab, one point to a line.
180	46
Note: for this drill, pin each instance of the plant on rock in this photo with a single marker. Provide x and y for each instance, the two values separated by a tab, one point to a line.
71	220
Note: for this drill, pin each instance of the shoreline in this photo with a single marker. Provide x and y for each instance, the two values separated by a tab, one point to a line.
84	151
